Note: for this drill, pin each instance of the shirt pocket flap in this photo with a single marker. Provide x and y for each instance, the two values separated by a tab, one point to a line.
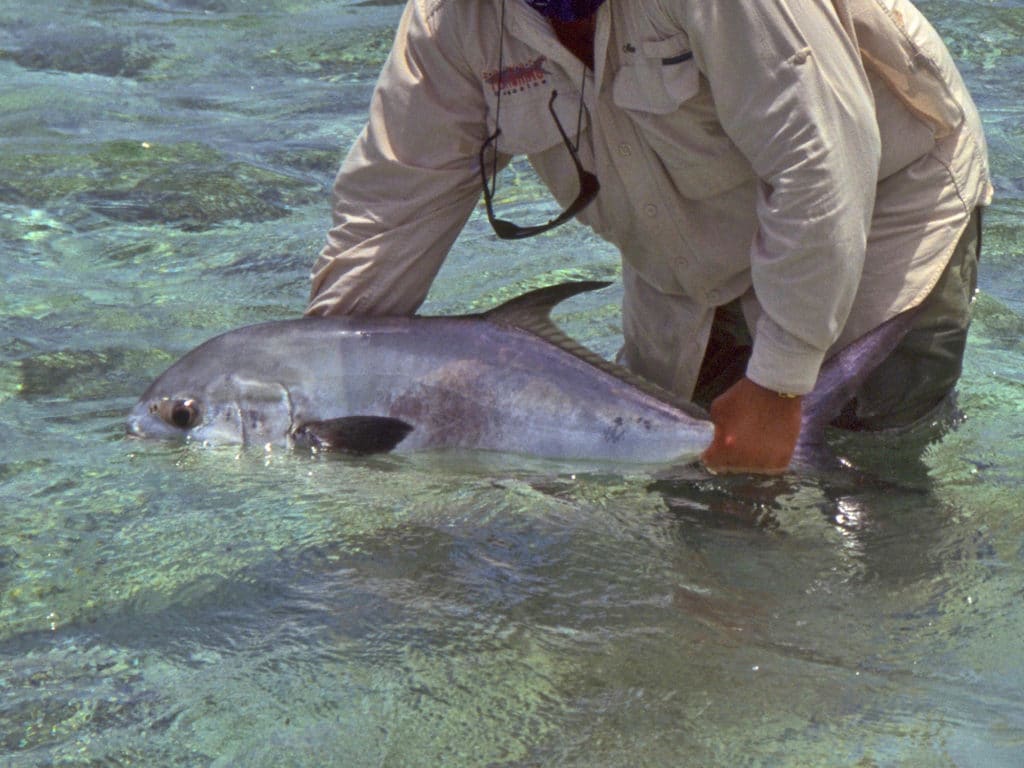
660	79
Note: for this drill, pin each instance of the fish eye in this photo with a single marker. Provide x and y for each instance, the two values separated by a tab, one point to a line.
183	414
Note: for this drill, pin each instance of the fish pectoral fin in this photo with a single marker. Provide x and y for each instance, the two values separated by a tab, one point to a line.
352	434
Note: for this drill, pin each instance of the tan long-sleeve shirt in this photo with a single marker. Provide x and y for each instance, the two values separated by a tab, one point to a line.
818	158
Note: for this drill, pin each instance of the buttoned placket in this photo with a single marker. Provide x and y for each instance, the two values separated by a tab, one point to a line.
649	186
533	29
629	161
641	191
647	189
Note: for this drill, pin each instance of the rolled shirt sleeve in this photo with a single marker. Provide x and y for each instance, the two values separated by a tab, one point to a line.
792	95
410	181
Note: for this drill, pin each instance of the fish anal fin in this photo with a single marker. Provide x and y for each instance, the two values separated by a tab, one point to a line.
352	434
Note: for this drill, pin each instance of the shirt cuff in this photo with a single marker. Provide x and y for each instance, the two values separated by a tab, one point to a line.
781	362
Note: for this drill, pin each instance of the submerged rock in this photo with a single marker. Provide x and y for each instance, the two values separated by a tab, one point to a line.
187	185
87	49
80	374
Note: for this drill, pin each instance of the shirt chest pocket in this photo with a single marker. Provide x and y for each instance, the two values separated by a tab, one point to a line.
527	127
659	79
671	105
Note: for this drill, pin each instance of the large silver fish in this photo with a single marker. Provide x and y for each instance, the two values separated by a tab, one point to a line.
505	380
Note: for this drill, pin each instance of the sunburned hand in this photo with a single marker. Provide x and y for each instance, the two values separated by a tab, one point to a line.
755	430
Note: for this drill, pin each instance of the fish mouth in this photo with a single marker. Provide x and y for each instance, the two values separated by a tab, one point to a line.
133	426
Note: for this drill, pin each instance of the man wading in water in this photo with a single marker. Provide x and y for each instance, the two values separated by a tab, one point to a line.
780	176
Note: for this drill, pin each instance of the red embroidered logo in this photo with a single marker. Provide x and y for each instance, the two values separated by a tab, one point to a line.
517	77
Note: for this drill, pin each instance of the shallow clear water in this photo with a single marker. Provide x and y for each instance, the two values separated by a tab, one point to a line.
164	173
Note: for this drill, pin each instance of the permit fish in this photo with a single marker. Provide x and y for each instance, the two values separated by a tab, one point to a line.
503	380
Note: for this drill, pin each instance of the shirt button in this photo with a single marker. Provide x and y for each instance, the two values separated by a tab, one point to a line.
625	150
651	210
713	296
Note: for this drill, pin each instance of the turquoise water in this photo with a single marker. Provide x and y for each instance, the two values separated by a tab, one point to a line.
164	174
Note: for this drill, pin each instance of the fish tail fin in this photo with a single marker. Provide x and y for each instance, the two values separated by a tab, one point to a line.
843	373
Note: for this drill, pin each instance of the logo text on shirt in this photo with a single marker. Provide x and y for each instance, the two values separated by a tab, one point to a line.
517	77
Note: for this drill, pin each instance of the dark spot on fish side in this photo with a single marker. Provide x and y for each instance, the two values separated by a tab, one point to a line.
616	431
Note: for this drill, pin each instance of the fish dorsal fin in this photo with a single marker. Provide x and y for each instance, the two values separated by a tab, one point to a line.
524	311
531	312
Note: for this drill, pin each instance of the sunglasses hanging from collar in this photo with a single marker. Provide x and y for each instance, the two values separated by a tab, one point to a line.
588	184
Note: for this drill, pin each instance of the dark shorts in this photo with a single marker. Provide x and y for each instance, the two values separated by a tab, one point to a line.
912	382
